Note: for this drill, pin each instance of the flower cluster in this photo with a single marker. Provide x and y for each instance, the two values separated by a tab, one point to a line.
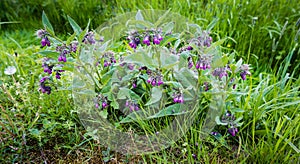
178	97
204	40
100	99
89	38
43	34
49	65
132	105
244	71
232	126
155	79
204	62
220	72
43	87
109	58
149	36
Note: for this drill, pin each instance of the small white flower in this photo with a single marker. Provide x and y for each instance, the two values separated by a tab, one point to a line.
10	70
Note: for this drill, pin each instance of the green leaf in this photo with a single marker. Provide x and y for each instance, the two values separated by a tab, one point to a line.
127	93
47	23
84	32
48	53
220	62
168	27
103	113
141	58
186	77
70	39
156	94
167	59
212	24
139	16
174	109
75	26
218	121
134	117
161	19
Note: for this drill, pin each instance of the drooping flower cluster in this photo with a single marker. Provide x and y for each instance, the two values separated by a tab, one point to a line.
43	88
109	58
43	34
244	71
47	65
220	72
89	38
232	126
132	105
178	97
204	62
153	36
204	40
155	78
100	99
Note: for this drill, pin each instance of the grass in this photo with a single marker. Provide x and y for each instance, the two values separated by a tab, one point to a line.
39	128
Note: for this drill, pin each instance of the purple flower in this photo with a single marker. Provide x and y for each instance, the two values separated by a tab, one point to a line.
47	67
132	44
156	40
130	66
45	41
73	46
57	75
89	38
105	63
220	72
132	106
190	62
41	33
244	71
178	98
96	105
147	40
159	37
233	131
104	104
43	79
43	88
134	84
189	48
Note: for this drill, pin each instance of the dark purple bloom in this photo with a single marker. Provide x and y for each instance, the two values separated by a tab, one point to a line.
190	62
130	66
156	40
159	37
45	41
244	71
104	104
233	131
178	98
105	63
189	48
214	133
89	38
220	72
57	75
43	79
147	40
73	46
132	44
134	84
41	33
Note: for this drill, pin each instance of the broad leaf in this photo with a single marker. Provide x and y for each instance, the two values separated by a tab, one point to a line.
47	23
75	26
156	94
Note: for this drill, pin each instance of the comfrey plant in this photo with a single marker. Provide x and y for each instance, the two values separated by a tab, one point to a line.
149	67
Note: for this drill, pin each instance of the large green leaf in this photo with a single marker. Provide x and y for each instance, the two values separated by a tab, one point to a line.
75	26
156	94
167	59
186	77
141	57
127	93
174	109
47	23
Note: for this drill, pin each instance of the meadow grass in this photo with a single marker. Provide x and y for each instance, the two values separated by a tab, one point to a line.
41	128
